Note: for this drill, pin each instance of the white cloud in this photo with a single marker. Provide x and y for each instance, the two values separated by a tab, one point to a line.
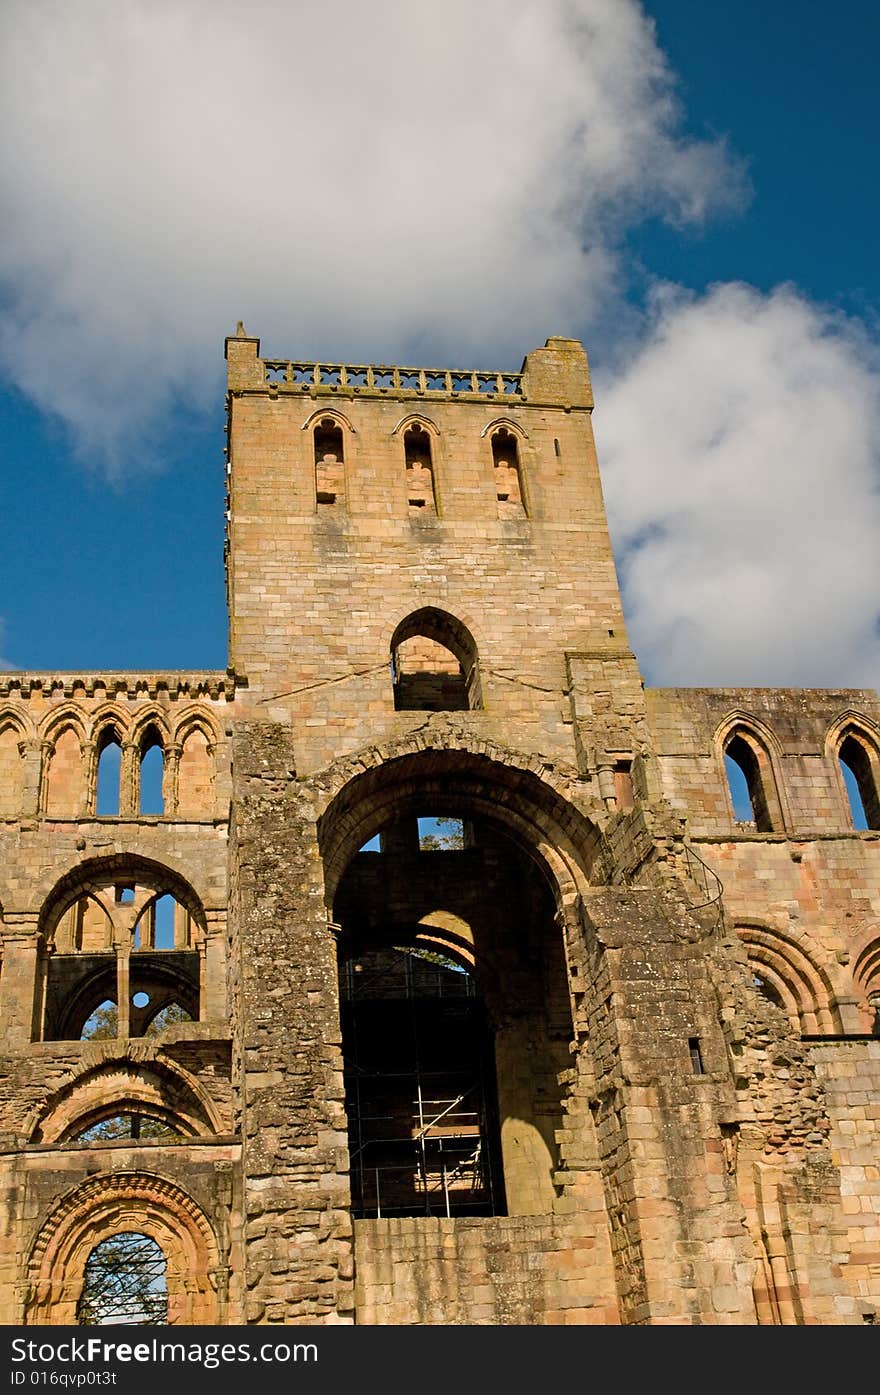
741	465
380	180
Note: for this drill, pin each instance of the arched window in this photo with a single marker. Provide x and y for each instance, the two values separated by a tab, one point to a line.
151	795
124	959
126	1123
109	770
102	1023
329	463
434	664
750	782
124	1282
508	475
420	491
858	767
786	975
124	1247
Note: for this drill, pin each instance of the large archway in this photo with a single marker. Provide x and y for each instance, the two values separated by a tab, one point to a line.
448	876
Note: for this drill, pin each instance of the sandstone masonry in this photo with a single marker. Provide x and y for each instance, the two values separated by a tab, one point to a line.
424	967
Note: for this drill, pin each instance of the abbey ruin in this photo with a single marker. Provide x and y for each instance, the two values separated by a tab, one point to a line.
454	976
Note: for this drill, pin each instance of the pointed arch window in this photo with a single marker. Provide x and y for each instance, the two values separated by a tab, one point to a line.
420	492
11	768
124	960
109	772
858	763
151	795
64	778
329	463
508	474
750	782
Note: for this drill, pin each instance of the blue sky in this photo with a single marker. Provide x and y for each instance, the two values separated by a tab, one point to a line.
691	189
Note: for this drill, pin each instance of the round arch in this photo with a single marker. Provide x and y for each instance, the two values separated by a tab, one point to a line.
428	684
804	988
494	783
503	905
96	874
110	1205
160	1086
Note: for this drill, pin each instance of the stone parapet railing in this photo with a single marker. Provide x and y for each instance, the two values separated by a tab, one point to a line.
396	382
134	684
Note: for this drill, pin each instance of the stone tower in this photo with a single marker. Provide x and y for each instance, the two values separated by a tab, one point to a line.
452	976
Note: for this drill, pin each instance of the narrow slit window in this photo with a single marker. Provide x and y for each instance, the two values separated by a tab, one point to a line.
696	1055
508	477
109	771
420	494
858	778
329	463
152	773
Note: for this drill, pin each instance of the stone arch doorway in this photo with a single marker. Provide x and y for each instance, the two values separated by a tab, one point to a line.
482	917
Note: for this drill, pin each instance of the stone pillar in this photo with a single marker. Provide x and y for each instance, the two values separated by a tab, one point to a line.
297	1225
663	1092
171	777
129	780
123	991
212	996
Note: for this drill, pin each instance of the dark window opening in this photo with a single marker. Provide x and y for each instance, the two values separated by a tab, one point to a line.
858	777
419	1082
124	1283
420	492
696	1055
434	665
768	991
329	462
508	477
746	785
